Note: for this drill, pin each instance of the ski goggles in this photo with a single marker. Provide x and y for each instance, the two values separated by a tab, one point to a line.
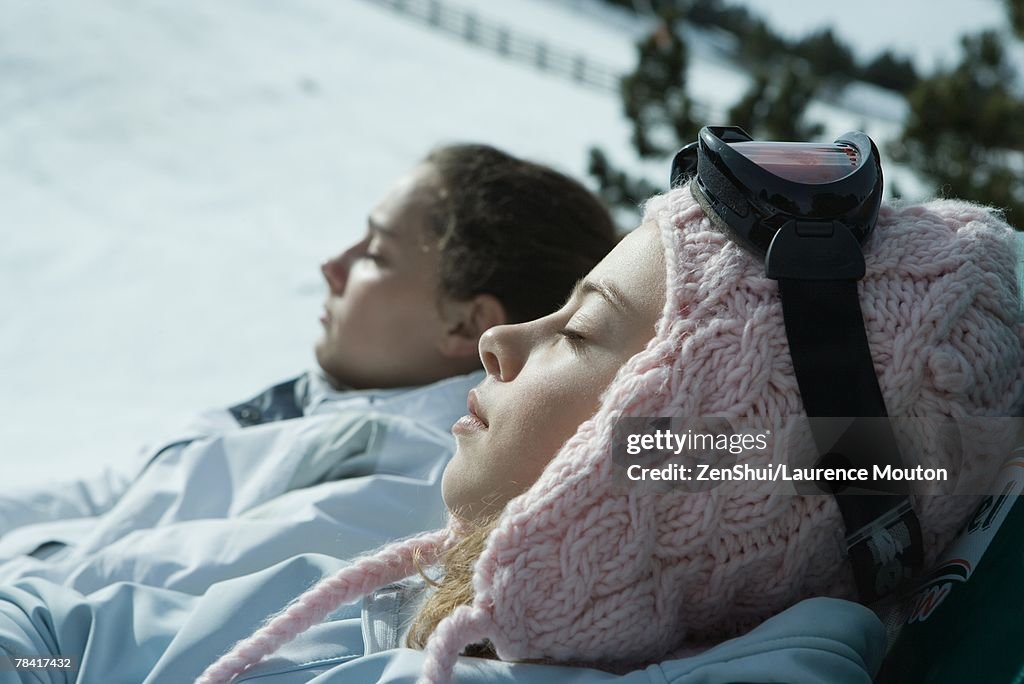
805	209
765	192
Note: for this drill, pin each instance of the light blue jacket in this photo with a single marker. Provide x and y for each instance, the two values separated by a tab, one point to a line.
341	482
128	633
212	445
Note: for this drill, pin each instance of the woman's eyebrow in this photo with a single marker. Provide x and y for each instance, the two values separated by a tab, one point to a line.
604	289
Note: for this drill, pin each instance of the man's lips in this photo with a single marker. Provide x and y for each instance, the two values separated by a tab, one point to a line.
473	405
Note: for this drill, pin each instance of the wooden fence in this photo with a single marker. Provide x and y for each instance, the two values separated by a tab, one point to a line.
507	42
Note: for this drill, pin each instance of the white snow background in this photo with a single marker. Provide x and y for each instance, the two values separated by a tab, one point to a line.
171	175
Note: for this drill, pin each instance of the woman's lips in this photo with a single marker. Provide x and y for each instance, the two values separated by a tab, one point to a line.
473	404
473	421
468	425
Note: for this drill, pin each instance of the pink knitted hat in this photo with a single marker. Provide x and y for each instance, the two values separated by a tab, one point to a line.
579	571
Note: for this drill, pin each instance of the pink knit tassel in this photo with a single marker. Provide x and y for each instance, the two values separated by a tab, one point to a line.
390	564
465	625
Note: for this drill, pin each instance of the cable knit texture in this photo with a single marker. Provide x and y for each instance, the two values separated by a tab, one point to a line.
578	570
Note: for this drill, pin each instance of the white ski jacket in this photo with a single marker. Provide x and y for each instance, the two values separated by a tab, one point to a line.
350	475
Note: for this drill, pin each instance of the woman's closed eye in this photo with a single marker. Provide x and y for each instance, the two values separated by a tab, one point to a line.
575	339
583	327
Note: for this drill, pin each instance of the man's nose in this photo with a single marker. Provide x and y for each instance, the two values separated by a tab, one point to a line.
335	272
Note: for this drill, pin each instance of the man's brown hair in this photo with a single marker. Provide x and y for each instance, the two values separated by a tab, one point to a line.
517	230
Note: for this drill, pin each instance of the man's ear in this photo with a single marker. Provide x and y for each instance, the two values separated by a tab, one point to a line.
465	322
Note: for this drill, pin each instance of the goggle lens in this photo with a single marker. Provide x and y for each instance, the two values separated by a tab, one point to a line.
810	163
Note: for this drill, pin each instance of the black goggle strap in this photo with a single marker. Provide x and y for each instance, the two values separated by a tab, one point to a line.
836	376
834	371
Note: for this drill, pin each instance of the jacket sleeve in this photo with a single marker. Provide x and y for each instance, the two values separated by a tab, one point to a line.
224	475
122	633
82	498
89	497
112	636
342	518
92	496
234	609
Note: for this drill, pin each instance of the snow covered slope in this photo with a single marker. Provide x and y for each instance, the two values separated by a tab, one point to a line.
172	173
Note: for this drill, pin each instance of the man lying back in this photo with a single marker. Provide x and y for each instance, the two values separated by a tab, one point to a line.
470	238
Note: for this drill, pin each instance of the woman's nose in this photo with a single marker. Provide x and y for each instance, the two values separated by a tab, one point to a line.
503	351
